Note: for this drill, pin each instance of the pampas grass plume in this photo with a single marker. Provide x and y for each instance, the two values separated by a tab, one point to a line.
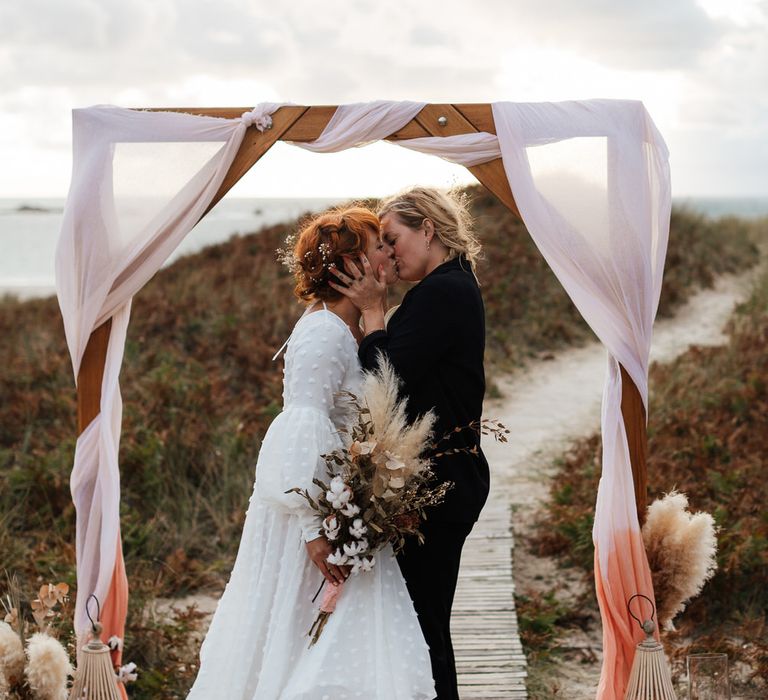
681	550
391	428
48	667
11	654
5	688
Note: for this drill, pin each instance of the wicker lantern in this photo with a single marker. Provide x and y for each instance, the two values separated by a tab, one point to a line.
650	678
95	678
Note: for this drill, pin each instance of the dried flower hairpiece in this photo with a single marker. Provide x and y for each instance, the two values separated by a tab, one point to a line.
325	252
286	254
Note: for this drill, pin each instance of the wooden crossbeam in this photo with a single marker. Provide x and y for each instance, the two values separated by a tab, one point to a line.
255	144
447	120
302	124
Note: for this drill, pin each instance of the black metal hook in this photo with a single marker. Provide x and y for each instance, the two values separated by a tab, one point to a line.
98	610
640	595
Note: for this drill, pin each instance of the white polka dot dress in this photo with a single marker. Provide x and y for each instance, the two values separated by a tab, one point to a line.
257	646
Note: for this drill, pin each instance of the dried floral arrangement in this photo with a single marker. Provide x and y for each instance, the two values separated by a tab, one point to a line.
379	483
34	664
681	549
313	268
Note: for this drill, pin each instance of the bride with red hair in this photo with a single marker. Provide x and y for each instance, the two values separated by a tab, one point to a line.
257	647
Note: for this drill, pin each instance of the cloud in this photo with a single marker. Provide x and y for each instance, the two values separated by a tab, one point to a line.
698	65
338	48
138	43
729	90
654	34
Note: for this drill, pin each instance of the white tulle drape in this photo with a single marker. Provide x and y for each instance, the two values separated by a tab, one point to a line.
591	181
116	233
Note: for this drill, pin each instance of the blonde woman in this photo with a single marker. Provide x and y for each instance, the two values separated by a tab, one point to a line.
435	341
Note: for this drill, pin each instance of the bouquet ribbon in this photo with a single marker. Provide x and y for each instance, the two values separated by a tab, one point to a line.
330	596
327	606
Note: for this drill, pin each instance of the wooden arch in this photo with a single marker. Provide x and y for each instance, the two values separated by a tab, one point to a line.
301	123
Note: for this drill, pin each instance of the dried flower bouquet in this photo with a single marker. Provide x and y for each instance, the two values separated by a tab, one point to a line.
380	483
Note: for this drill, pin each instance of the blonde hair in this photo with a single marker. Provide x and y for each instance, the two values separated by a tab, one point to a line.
448	212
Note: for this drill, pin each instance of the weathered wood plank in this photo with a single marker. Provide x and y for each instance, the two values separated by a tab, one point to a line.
489	655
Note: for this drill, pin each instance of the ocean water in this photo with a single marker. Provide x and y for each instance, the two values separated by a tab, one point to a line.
716	207
29	229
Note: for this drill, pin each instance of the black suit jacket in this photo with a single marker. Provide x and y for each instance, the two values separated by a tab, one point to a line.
435	342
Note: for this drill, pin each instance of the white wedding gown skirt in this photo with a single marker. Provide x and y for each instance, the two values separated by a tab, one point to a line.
257	647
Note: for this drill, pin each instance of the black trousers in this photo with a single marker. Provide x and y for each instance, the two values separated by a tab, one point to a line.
431	571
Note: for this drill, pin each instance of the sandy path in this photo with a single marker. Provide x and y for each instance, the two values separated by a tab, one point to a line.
550	405
557	400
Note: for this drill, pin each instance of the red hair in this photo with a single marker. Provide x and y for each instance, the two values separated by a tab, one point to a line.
324	242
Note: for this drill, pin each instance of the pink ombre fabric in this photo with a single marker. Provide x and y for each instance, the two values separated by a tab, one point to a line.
598	208
116	233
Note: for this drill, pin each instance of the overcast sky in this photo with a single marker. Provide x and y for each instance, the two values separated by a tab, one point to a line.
700	67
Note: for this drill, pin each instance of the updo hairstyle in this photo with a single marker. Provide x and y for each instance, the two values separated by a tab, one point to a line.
323	243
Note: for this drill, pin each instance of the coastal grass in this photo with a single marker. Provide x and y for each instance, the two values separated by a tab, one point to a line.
199	389
708	438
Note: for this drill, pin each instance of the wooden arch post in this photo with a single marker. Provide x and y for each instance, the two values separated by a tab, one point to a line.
301	123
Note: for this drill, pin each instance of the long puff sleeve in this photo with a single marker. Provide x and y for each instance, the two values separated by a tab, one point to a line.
316	363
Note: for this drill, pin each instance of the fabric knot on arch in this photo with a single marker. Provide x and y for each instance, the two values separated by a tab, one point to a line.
260	116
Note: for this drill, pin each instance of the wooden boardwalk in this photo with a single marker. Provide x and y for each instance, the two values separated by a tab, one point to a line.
489	655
